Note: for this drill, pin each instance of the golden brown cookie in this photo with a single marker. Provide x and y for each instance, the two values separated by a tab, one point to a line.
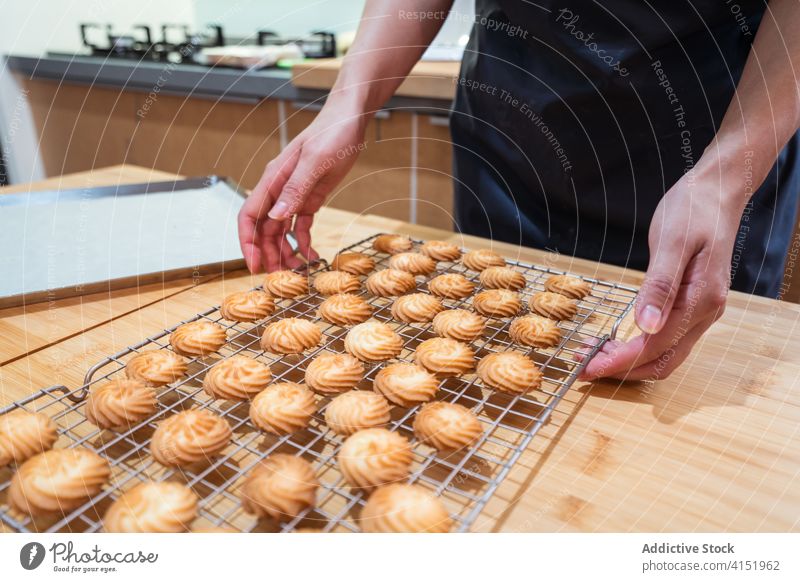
353	263
280	487
290	336
58	481
344	309
392	244
283	408
497	303
406	384
510	372
441	251
156	367
247	306
238	377
198	338
190	436
373	457
24	434
120	403
356	410
534	330
390	282
416	308
571	287
459	324
446	426
553	305
333	282
404	508
451	286
286	284
483	259
334	373
152	507
414	263
373	341
502	278
443	356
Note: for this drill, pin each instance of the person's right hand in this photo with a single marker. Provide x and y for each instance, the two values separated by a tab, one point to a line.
294	186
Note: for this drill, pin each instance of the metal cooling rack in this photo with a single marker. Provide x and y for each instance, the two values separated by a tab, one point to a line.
465	481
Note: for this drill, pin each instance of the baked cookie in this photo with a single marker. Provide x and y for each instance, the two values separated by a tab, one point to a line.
373	341
406	384
404	508
441	251
286	284
238	377
283	408
483	259
390	282
392	244
553	305
572	287
120	403
534	330
58	481
24	434
334	373
443	356
502	278
163	507
198	338
414	263
333	282
451	286
373	457
189	436
509	372
416	308
344	309
290	336
446	426
356	410
459	324
156	367
353	263
280	487
247	306
497	303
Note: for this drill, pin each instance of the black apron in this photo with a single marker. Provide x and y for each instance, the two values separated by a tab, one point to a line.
572	119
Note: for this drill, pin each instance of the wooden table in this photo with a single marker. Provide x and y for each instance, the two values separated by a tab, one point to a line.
716	447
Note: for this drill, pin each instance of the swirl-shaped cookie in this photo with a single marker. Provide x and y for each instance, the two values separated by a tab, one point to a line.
334	373
356	410
247	306
120	403
416	308
353	263
156	367
502	278
441	251
198	338
189	436
390	282
414	263
24	434
553	305
333	282
534	330
290	336
280	487
404	508
451	286
373	457
238	377
447	426
286	284
373	341
392	244
459	324
571	287
497	303
344	309
58	481
483	259
509	372
406	384
283	408
443	356
163	507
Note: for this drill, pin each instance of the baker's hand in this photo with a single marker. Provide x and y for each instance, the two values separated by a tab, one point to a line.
691	242
294	186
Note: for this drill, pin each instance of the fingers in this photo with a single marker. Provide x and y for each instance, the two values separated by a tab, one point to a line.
294	192
270	234
248	241
302	230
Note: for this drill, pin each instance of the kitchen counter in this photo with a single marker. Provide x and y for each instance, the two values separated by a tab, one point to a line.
716	447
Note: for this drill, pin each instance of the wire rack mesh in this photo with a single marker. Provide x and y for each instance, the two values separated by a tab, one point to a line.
465	481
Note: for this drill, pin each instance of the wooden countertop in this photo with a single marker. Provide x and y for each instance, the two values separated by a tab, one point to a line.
716	447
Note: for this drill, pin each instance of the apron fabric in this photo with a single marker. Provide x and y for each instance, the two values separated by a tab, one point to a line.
573	118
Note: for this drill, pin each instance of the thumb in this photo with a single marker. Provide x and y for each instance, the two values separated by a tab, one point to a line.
293	195
660	287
